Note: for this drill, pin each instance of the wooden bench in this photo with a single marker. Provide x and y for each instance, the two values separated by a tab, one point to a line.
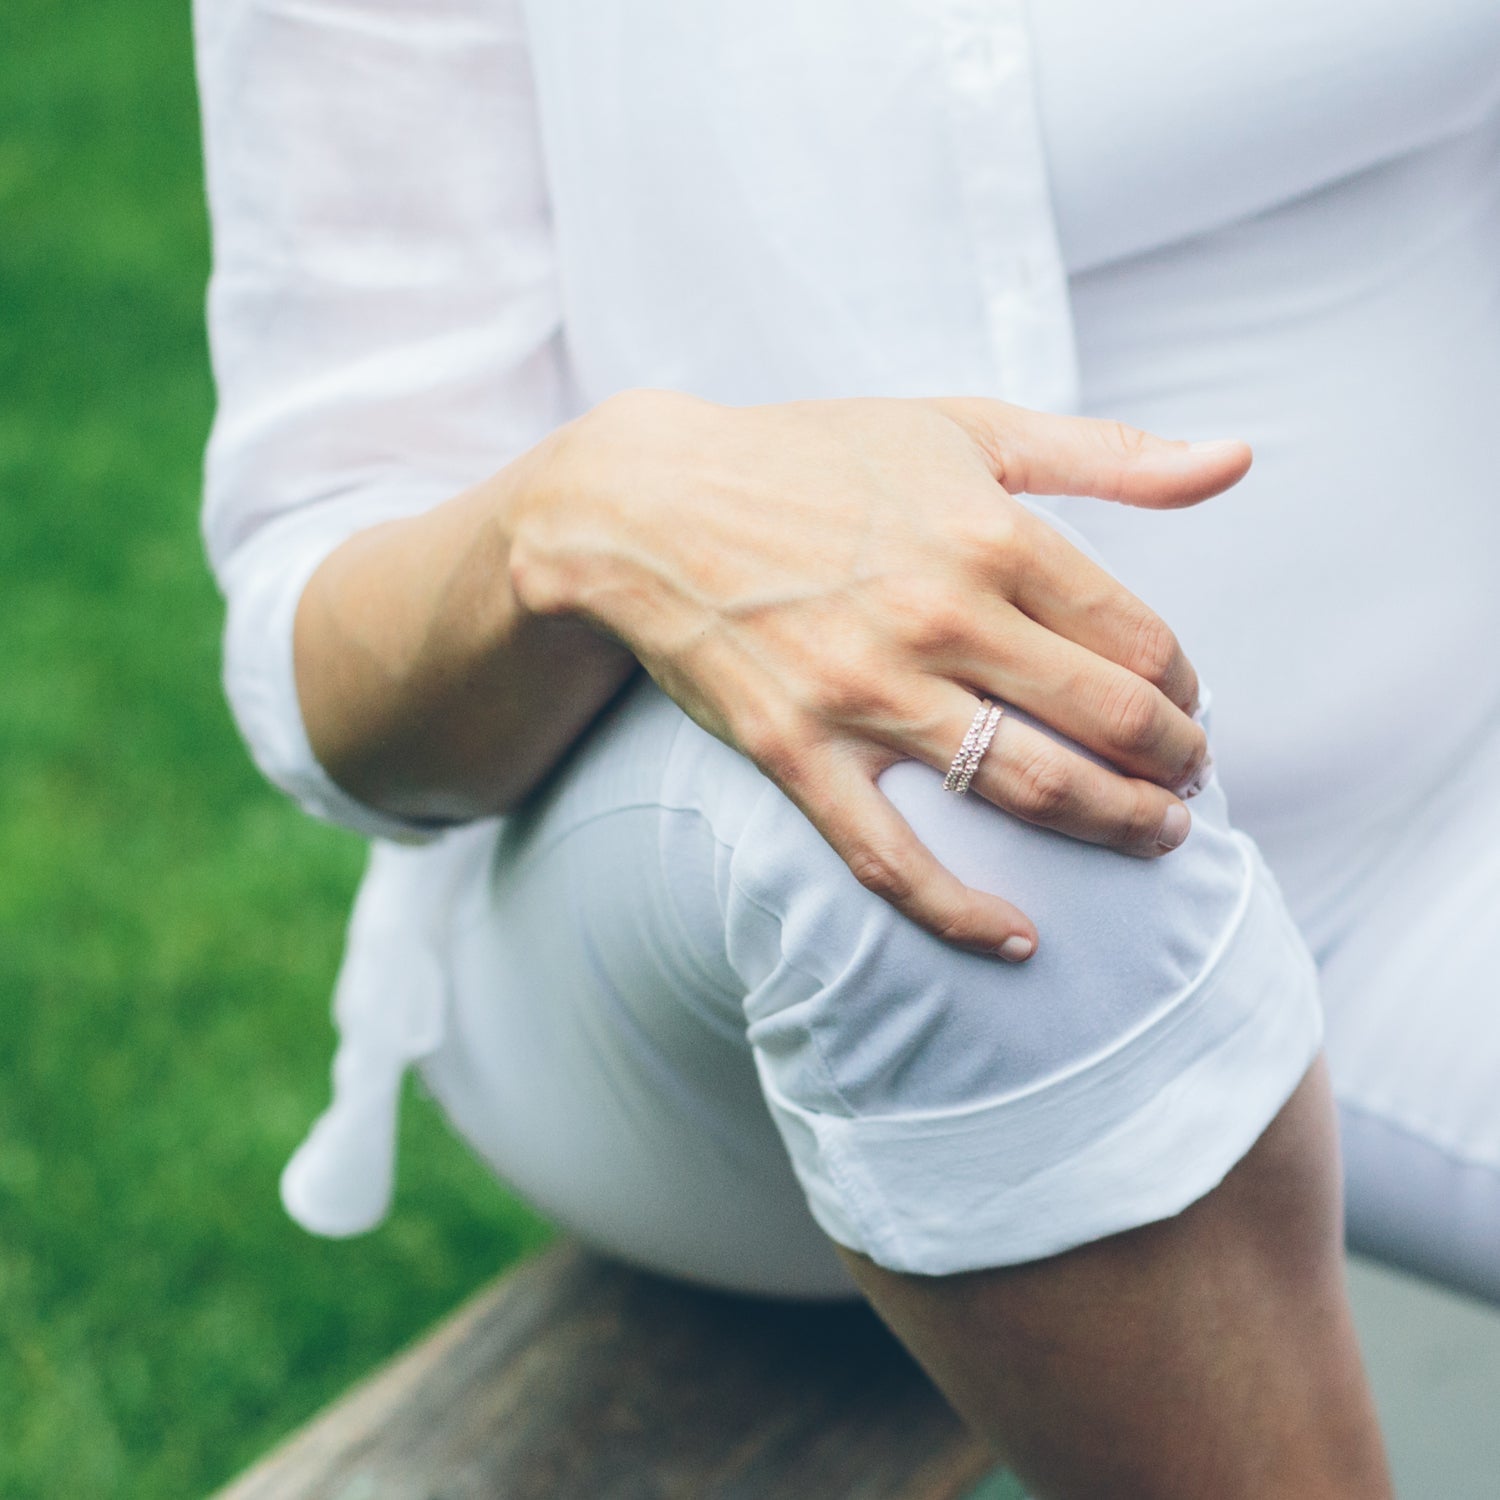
572	1378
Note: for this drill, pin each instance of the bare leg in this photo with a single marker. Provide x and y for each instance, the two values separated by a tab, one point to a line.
1209	1357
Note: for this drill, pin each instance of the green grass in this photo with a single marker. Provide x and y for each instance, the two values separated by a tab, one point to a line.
168	926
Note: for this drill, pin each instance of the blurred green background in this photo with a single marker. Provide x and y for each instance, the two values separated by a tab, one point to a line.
169	927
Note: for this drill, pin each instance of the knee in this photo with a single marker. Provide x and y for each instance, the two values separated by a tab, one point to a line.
947	1111
900	1014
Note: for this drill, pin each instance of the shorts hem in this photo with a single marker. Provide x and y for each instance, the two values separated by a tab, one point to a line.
1133	1137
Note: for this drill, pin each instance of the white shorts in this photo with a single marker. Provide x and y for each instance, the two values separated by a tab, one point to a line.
660	1007
679	1026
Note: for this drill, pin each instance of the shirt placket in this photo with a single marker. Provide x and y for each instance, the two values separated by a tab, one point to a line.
1008	202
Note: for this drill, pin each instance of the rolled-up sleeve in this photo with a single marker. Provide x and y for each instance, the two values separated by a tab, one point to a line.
383	310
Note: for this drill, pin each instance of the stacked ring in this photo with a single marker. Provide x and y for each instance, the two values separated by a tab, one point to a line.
971	751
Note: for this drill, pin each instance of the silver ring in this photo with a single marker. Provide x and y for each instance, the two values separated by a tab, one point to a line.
975	743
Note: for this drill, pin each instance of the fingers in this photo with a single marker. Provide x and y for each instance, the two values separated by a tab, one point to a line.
1070	594
837	793
1028	774
1108	708
1037	453
1115	710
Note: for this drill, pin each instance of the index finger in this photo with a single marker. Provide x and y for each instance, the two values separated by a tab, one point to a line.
840	799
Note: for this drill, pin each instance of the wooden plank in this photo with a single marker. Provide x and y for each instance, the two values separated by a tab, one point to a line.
573	1378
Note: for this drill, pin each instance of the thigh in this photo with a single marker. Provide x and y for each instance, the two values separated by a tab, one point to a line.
684	1029
594	1059
1209	1355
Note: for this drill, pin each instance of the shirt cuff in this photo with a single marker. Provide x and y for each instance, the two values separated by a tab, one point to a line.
263	582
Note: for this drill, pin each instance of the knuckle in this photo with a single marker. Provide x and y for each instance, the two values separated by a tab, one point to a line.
1043	788
535	585
1139	823
931	619
773	746
943	629
841	699
983	423
847	688
996	530
880	872
1121	446
1153	652
999	542
1129	714
1192	689
954	926
1127	441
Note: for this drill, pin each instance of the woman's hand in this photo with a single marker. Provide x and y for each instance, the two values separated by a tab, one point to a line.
826	586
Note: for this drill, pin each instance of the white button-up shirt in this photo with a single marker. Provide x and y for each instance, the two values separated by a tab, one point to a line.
442	227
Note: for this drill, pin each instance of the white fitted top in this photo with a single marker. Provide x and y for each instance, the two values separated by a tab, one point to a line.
1283	222
443	226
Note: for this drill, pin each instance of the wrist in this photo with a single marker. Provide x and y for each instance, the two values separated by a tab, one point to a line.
587	505
534	494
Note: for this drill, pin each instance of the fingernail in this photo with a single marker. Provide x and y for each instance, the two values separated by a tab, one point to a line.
1201	778
1175	827
1213	448
1016	950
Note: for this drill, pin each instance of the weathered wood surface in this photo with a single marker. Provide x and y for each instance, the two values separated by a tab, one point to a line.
575	1379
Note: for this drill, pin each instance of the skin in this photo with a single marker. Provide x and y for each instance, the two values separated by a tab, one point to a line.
1208	1357
826	586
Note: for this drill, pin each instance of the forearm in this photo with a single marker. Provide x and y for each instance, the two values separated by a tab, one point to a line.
426	689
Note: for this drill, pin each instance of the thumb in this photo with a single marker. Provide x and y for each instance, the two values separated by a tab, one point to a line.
1038	453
